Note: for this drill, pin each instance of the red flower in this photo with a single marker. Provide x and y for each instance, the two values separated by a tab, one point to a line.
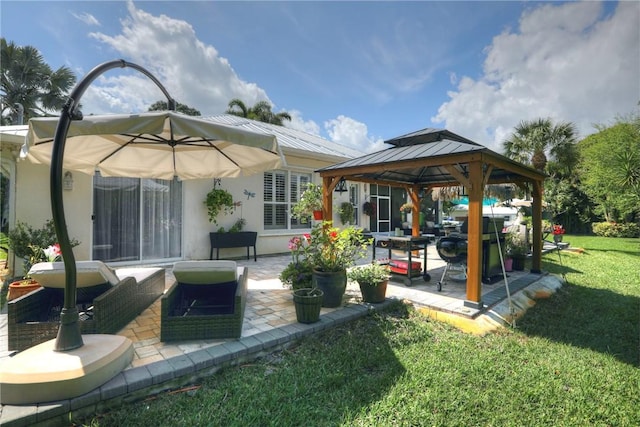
557	229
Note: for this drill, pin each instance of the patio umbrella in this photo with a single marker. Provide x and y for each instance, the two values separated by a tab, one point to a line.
160	144
147	145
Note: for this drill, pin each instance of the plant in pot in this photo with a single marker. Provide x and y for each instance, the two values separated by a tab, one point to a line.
517	249
346	212
372	279
369	208
28	243
331	251
218	201
310	203
298	277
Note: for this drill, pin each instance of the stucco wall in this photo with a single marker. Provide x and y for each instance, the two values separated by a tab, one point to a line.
33	206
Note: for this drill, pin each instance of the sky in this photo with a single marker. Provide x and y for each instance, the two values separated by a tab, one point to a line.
356	73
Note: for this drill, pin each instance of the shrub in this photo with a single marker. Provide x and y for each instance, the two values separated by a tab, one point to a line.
29	243
615	229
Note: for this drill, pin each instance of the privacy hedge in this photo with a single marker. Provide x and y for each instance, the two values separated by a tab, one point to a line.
616	229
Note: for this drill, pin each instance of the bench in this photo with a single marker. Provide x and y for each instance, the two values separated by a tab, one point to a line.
238	239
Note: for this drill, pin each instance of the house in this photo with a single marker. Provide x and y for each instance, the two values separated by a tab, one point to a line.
145	221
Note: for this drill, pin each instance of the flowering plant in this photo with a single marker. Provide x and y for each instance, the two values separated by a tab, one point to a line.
310	200
298	274
557	230
334	249
406	207
53	253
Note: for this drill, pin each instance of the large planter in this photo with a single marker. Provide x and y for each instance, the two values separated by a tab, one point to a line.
508	264
308	302
22	287
333	284
518	263
373	293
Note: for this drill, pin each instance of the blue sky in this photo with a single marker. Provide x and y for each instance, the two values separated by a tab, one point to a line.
356	73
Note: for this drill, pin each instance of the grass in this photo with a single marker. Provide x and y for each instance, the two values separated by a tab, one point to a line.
572	361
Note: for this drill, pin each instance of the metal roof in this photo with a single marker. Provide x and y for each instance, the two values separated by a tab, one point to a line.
289	138
427	157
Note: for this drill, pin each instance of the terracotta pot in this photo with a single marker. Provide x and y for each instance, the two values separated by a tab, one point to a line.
317	215
21	287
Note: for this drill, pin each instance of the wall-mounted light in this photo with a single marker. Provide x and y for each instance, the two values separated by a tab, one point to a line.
67	181
342	186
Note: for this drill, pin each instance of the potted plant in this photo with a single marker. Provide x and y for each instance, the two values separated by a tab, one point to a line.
310	203
369	208
405	208
218	200
331	251
517	249
27	242
372	279
346	212
557	231
298	276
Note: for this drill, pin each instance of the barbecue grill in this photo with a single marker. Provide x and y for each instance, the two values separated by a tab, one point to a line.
453	250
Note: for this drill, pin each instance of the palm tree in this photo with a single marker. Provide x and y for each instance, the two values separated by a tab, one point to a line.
261	112
28	85
532	141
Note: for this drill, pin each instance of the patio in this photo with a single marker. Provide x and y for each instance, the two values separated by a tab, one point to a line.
270	324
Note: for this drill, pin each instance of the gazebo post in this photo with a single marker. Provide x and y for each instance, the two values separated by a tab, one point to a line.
536	260
327	200
415	211
474	237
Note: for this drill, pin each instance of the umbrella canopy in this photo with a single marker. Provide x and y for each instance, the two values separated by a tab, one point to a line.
160	144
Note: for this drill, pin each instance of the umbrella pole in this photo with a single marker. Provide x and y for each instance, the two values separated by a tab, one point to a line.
69	336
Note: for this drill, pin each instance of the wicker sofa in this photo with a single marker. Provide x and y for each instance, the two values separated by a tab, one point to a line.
207	301
107	301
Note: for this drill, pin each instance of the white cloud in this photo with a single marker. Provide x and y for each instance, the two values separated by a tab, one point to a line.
87	18
192	72
351	133
568	62
299	123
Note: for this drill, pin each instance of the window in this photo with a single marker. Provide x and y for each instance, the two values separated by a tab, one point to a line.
282	190
136	219
354	198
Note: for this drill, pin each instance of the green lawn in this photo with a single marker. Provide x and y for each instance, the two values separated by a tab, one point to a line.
572	361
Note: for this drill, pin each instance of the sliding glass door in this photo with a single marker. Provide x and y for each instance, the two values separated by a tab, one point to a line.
136	219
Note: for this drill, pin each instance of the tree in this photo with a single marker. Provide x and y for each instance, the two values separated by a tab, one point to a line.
610	170
182	108
534	142
28	85
261	111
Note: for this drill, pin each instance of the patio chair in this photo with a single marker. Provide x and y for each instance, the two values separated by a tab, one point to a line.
207	301
107	300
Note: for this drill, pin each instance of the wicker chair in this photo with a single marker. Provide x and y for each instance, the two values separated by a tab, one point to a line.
207	301
106	300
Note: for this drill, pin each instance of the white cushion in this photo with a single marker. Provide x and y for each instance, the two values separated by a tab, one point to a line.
88	273
205	272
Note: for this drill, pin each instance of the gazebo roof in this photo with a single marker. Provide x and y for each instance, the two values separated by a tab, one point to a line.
430	158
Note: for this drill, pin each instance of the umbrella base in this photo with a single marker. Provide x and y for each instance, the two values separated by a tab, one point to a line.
41	374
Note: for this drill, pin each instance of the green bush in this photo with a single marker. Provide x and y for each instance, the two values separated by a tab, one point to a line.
615	229
27	242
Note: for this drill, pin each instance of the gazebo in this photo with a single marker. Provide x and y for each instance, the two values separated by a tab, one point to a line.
432	158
